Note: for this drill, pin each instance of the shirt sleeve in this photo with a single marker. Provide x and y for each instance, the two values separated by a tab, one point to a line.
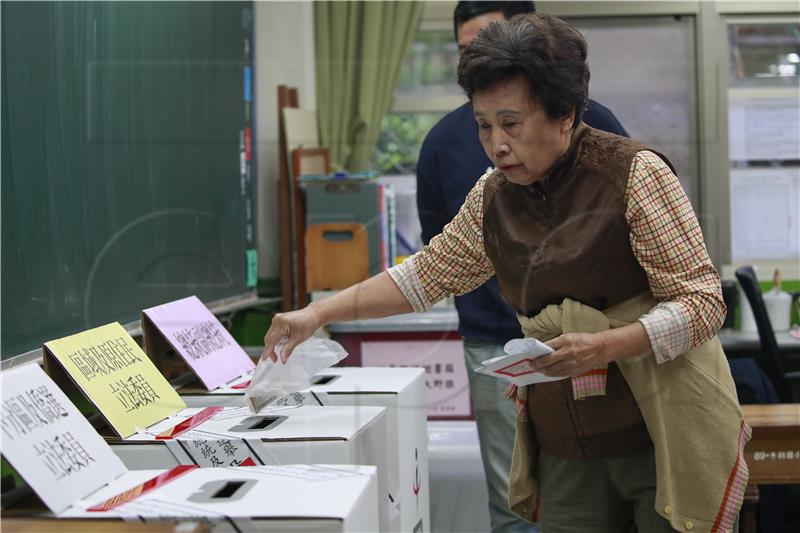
455	261
668	243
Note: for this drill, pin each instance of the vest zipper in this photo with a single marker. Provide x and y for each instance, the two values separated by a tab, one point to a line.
542	190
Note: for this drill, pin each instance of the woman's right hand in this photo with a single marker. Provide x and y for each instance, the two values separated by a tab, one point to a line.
293	327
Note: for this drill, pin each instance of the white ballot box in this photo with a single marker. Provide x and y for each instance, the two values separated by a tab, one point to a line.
402	392
282	435
329	498
76	474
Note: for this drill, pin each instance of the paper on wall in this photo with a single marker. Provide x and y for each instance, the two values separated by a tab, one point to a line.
515	366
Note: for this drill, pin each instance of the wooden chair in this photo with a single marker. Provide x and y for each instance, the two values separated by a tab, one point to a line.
305	161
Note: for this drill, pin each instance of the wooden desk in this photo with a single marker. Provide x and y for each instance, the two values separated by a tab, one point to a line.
773	453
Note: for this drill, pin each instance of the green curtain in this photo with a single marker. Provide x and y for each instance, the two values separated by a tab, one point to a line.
360	47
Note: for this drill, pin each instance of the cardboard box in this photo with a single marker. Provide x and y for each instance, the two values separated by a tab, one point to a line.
282	435
402	392
326	498
75	473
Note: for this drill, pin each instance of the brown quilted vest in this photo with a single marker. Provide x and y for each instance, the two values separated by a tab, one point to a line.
567	237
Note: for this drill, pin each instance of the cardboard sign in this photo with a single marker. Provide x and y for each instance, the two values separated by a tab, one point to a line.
50	444
445	372
116	376
214	450
199	338
515	367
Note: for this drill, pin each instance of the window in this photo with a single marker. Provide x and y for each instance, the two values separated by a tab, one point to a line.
764	140
426	91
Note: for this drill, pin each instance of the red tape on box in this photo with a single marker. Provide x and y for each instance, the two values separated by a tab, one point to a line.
189	423
144	488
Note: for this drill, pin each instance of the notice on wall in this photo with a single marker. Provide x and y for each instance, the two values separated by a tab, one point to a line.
765	213
445	372
201	340
50	444
764	129
115	374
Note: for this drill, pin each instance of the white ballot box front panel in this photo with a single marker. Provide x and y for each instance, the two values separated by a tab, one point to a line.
294	435
264	498
402	392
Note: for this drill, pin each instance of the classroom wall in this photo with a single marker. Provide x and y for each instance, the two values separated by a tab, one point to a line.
284	35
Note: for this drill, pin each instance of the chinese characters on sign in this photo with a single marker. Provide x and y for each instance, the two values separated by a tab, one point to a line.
216	450
104	358
36	408
133	392
200	340
48	442
33	409
114	373
445	372
438	377
63	455
786	455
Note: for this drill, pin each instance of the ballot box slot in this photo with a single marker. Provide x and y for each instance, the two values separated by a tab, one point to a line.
324	380
222	491
228	490
258	423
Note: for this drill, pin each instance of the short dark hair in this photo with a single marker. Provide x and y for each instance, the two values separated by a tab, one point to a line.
465	11
543	50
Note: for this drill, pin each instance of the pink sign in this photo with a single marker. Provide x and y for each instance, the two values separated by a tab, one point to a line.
445	371
206	346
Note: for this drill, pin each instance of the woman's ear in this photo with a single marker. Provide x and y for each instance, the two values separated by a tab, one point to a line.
567	122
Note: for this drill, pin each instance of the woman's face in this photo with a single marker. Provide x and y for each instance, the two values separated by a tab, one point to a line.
516	133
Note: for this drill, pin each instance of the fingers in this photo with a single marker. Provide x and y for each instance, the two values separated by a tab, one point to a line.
558	342
278	330
289	347
540	364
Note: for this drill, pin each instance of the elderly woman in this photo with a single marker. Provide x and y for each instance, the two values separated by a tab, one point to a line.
597	248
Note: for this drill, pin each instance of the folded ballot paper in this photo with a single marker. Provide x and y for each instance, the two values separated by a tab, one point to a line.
515	365
273	381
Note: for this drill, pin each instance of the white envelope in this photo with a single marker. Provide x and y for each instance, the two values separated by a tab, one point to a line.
515	367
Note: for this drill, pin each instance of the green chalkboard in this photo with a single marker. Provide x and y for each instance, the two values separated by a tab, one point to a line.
127	176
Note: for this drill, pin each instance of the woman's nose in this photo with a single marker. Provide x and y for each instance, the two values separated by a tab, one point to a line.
499	144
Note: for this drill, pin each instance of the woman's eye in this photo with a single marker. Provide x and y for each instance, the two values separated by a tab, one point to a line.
510	124
484	126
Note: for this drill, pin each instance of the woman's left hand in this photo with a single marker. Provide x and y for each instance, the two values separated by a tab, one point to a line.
574	354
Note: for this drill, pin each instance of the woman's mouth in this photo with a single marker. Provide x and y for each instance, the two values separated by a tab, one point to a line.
508	168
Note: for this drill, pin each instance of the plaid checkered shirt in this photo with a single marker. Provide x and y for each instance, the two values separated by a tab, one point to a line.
665	237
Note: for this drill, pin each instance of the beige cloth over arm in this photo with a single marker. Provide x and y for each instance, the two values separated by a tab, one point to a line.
691	411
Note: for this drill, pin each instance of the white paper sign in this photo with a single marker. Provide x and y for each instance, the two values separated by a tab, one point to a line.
515	367
50	444
765	213
446	378
764	128
214	450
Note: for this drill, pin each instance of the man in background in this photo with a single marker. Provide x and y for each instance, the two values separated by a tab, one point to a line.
450	163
